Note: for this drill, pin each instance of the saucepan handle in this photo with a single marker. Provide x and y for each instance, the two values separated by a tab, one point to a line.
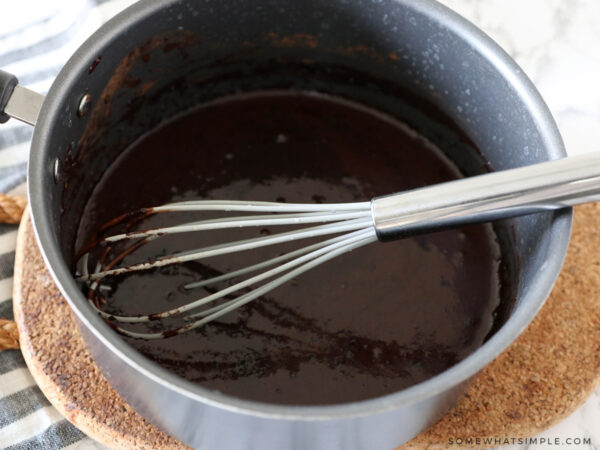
17	101
7	85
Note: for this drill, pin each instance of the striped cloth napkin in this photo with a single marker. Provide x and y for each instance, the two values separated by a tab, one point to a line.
36	38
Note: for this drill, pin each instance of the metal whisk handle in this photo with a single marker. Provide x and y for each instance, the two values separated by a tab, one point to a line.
497	195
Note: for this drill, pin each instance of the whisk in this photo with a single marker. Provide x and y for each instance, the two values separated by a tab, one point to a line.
526	190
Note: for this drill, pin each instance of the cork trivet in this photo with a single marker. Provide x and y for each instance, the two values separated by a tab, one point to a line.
542	377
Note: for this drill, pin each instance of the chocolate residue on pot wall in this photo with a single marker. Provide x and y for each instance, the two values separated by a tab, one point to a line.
368	323
94	64
121	77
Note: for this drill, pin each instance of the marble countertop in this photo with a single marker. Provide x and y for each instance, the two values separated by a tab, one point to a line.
557	43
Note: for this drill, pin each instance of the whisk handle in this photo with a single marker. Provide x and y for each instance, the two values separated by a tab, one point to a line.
515	192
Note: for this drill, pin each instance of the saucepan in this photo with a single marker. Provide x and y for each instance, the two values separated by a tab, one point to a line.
161	57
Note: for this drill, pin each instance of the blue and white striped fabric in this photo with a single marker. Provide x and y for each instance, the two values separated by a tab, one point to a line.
36	38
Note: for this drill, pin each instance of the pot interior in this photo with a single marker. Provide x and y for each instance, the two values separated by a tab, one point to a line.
379	54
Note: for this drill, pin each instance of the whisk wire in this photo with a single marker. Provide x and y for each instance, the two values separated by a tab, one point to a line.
241	221
254	207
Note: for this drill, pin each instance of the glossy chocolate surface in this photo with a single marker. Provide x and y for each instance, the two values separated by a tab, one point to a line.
368	323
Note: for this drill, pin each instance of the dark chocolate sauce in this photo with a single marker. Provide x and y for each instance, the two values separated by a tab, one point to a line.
368	323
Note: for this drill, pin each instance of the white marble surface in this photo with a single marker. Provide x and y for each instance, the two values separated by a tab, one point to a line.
557	43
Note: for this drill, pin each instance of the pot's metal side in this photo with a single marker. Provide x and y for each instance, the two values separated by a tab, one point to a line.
206	419
207	427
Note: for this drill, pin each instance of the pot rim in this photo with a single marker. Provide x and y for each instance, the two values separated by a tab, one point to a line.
532	300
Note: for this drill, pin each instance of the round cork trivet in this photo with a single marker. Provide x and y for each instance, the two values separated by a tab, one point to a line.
542	377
